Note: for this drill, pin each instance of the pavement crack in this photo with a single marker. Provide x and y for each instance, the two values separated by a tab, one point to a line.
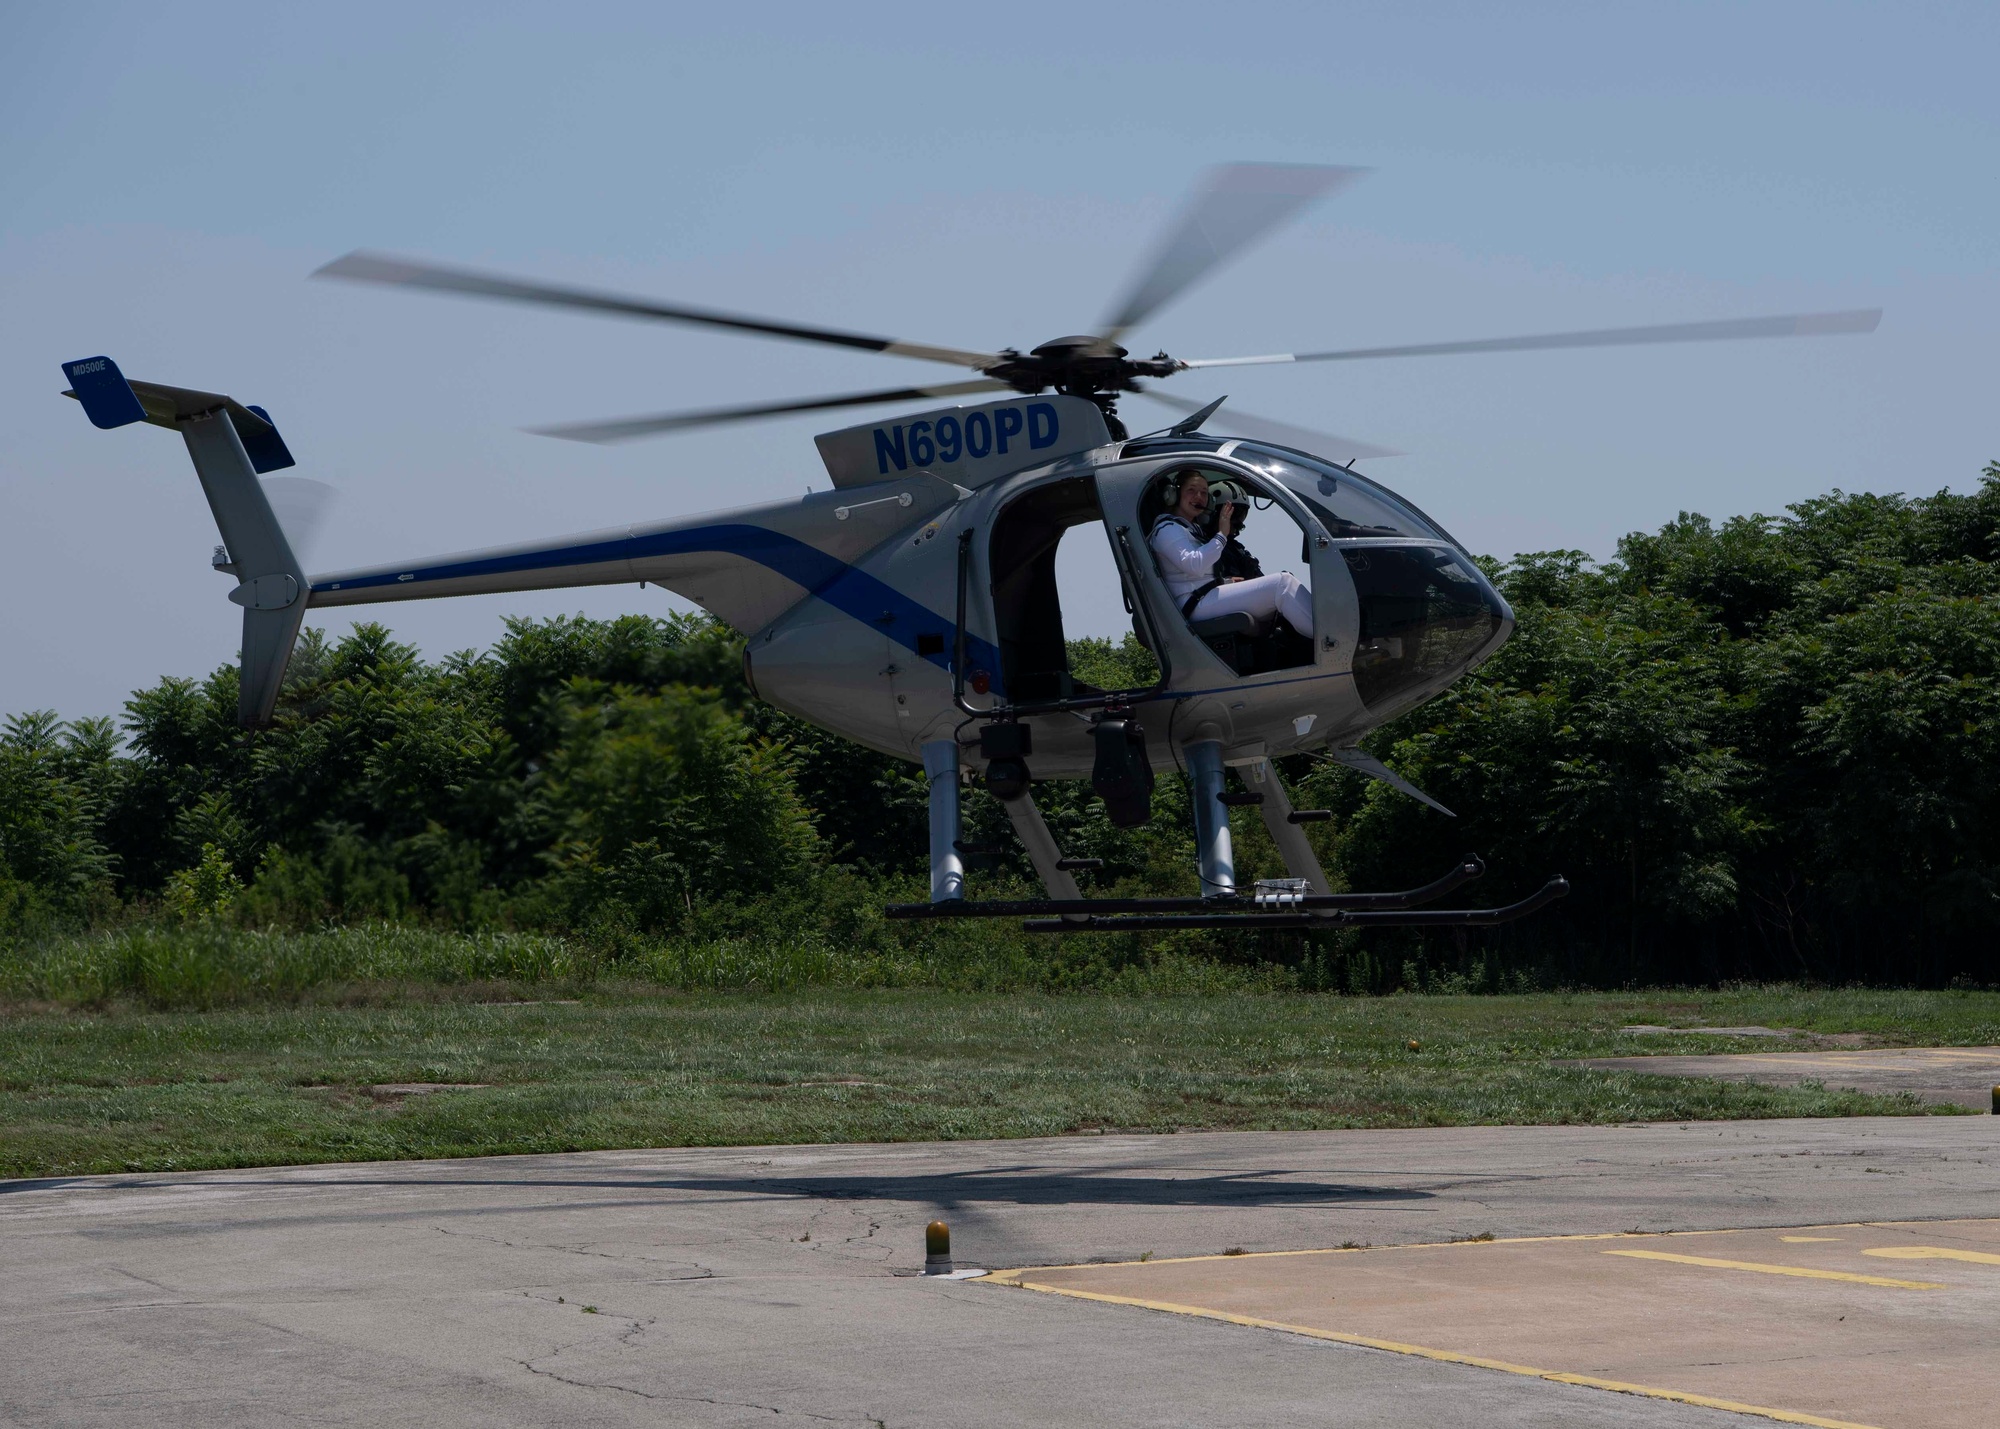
532	1368
704	1272
771	1409
134	1275
633	1329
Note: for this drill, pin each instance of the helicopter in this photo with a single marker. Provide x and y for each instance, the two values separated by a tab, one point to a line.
913	608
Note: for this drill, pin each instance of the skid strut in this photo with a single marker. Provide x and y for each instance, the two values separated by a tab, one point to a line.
947	867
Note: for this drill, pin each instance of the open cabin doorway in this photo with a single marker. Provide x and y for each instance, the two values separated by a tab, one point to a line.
1049	558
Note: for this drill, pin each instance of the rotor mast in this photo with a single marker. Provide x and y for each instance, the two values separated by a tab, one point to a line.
1096	369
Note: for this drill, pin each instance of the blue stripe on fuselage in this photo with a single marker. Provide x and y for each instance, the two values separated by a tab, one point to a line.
847	589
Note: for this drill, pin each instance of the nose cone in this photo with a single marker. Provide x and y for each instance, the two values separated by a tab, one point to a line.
1428	615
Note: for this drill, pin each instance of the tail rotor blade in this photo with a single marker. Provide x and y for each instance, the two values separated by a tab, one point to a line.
301	506
629	428
1234	206
1284	434
364	267
1727	329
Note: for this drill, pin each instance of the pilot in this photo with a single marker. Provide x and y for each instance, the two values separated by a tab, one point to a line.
1194	568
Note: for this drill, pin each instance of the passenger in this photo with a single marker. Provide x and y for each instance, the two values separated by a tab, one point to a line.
1237	563
1191	564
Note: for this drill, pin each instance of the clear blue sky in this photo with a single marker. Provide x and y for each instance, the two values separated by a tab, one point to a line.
973	176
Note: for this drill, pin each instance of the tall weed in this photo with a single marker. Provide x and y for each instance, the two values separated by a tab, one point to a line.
210	965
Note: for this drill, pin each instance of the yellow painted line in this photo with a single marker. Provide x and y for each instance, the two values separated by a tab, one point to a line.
1763	1269
1806	1239
1933	1252
1783	1416
1358	1249
1008	1277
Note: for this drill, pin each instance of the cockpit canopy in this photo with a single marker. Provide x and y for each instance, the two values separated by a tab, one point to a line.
1389	596
1427	614
1347	503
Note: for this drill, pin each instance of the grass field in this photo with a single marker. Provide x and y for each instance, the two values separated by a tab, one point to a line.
125	1087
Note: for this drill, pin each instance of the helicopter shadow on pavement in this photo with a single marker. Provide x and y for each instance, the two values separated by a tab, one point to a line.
1048	1187
1024	1186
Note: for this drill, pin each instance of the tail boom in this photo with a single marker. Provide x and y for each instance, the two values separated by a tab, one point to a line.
746	567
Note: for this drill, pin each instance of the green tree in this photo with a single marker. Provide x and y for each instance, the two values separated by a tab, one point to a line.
658	801
54	779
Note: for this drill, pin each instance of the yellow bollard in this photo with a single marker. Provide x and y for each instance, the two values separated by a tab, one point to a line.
937	1241
1996	1101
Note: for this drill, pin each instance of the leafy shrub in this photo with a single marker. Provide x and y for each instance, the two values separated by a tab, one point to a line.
204	893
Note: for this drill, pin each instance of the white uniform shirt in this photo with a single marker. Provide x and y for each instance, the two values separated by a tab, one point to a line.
1187	564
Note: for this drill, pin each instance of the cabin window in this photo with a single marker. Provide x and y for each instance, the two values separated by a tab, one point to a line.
1166	446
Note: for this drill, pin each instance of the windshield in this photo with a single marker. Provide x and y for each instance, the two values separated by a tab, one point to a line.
1348	503
1426	614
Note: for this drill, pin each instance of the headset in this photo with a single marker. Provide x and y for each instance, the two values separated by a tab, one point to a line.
1171	492
1224	490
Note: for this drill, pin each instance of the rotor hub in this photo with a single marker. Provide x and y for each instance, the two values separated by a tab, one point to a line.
1081	365
1079	348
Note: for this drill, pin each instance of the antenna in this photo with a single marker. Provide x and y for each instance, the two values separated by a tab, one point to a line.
1190	424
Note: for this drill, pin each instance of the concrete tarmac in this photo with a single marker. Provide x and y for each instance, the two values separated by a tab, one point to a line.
1956	1076
739	1286
1878	1323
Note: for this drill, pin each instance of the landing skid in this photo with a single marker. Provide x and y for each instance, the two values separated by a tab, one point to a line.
1274	905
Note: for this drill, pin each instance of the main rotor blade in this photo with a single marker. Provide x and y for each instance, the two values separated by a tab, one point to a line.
1284	434
1235	205
605	433
362	267
1792	325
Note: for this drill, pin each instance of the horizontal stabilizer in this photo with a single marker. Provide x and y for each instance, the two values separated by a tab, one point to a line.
110	399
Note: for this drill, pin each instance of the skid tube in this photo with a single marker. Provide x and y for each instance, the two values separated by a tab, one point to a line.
1251	917
1285	910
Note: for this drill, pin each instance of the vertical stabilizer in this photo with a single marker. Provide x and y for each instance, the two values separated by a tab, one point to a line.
271	585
